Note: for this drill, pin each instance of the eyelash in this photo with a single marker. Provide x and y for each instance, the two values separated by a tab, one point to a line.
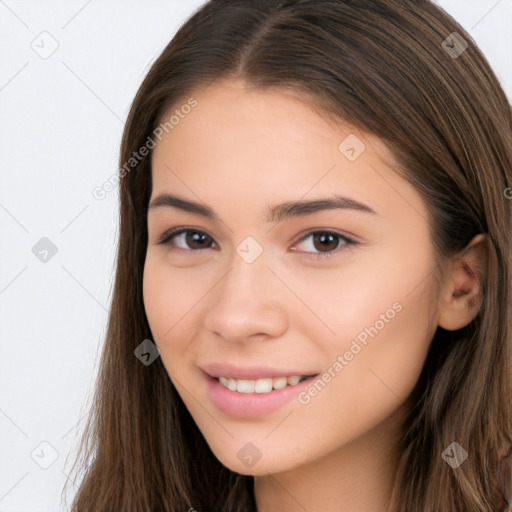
167	237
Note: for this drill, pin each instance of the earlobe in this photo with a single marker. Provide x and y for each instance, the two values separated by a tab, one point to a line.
461	293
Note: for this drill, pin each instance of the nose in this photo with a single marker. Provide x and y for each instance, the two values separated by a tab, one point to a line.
248	303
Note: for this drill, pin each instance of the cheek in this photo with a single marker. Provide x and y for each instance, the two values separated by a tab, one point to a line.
373	377
157	299
168	301
381	320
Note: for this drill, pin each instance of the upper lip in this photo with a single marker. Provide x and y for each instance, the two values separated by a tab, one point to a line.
250	372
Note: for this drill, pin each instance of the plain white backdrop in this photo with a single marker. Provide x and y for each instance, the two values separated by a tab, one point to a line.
68	72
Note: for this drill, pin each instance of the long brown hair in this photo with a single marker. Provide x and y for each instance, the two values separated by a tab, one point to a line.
388	67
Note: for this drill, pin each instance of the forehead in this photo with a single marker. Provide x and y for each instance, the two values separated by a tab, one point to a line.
250	145
272	118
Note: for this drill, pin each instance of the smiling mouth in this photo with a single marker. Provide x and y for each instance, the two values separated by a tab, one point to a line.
266	385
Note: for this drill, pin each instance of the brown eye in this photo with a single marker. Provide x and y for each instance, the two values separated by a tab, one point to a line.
325	241
186	239
196	239
324	244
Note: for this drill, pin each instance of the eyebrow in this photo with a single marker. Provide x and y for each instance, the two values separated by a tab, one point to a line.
274	213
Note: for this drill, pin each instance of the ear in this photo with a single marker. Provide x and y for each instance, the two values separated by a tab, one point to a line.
461	292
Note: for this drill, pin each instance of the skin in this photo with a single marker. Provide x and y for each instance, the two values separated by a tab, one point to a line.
239	152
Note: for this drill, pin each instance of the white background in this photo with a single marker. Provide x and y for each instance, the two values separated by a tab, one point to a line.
61	120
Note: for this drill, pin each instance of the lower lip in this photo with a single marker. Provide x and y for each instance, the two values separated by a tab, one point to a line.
251	404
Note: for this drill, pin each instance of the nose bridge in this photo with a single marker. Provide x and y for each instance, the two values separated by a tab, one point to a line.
249	276
246	300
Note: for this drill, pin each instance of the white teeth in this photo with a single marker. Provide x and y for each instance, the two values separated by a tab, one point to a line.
259	385
279	382
245	386
263	386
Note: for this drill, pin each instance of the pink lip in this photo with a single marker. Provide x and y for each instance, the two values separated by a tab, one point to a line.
252	373
251	404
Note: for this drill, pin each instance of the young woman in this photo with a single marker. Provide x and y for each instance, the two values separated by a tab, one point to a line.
312	302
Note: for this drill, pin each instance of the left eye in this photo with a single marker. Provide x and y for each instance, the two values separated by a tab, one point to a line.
327	243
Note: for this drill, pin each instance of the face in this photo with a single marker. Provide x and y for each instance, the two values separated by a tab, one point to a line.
250	293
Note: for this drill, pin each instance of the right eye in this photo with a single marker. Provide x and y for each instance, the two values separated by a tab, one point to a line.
186	239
